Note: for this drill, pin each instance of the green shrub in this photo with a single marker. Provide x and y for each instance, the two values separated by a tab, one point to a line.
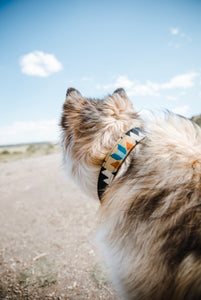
5	152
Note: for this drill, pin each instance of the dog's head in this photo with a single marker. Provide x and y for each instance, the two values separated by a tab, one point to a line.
90	127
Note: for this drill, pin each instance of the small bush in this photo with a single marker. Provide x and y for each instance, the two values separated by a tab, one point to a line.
32	148
5	152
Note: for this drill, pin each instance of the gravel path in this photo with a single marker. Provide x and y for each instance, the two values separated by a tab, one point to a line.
47	230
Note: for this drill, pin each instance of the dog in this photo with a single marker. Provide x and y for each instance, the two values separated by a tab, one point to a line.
147	177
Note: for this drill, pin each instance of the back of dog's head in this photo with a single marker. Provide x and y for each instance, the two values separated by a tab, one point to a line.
90	128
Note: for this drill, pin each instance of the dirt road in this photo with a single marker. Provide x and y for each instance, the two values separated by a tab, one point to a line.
47	227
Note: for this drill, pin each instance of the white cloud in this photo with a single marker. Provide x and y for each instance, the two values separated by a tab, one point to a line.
182	110
148	89
122	81
135	88
183	81
30	131
174	31
38	63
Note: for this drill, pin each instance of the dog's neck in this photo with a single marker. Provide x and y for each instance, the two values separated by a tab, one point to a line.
117	156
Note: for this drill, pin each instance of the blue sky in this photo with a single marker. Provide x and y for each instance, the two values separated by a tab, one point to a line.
151	48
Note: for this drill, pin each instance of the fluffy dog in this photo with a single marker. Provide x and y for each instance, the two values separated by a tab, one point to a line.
150	207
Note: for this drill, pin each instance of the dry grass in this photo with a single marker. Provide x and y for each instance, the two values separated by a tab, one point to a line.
9	153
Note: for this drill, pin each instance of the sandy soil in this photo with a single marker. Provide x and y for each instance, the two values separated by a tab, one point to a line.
47	229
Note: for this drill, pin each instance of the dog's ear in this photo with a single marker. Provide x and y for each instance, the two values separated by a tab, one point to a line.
121	92
118	103
73	94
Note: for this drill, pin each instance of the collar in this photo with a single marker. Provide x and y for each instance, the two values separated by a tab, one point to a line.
117	156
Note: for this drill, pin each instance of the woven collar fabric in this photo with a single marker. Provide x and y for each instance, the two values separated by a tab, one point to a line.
116	157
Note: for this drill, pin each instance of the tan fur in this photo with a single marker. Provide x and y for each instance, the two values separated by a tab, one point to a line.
150	215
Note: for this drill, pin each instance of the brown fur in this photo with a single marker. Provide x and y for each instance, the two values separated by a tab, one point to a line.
150	215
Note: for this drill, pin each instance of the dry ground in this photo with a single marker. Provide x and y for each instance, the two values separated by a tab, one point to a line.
47	227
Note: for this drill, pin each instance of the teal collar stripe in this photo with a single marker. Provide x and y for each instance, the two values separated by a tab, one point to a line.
116	157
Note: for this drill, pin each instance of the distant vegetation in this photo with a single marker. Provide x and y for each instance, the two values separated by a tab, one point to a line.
14	152
197	119
41	148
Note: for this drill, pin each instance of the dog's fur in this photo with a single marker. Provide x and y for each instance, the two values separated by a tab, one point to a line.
150	215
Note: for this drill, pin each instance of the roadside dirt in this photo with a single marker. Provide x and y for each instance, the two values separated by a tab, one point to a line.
47	229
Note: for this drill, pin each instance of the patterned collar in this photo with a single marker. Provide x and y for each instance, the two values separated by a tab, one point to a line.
116	157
